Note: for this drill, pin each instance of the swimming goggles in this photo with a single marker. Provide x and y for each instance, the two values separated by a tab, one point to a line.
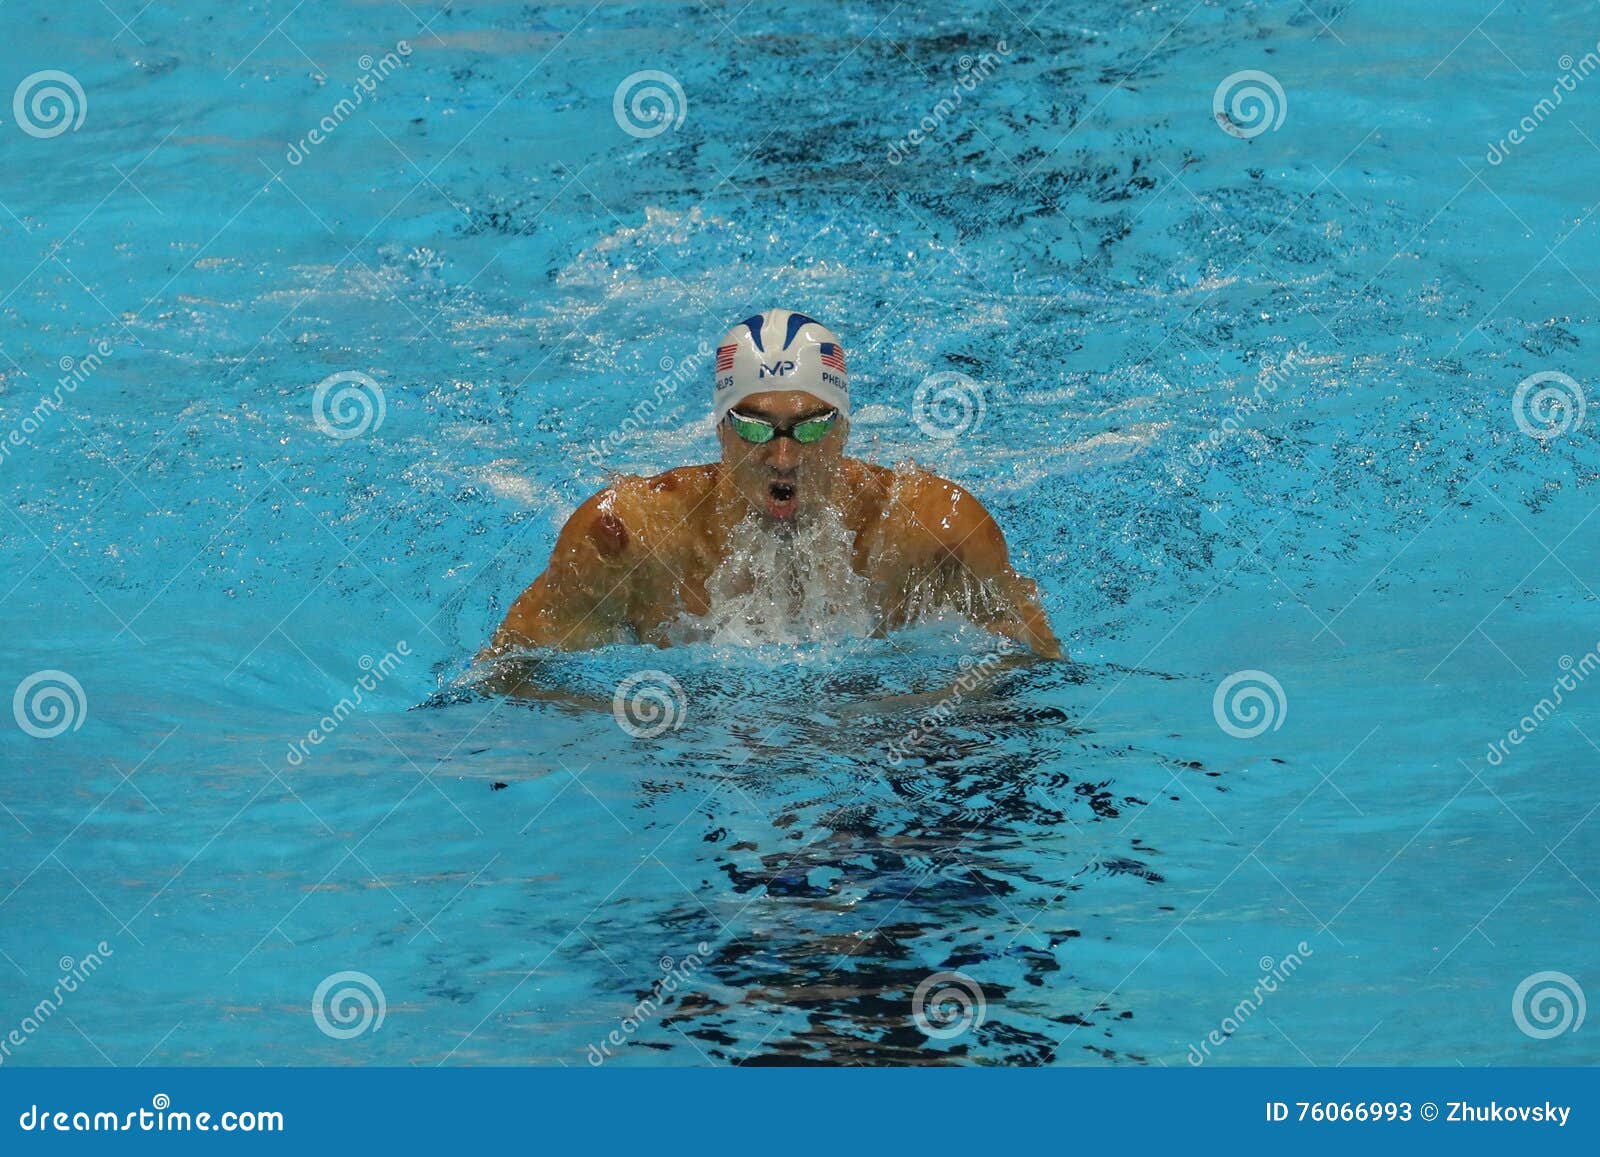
805	431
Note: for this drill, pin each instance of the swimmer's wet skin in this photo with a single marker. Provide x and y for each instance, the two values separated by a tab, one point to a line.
636	556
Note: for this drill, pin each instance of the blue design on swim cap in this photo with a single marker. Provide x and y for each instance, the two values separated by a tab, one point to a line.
796	320
754	325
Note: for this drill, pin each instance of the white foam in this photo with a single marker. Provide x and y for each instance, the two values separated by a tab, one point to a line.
776	587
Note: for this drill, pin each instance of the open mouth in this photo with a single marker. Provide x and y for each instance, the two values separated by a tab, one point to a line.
782	500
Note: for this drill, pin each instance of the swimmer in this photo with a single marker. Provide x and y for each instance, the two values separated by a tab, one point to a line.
636	557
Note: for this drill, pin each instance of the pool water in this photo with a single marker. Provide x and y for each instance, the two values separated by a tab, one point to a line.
1241	396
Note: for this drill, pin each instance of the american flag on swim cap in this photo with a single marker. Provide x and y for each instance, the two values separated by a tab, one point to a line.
784	351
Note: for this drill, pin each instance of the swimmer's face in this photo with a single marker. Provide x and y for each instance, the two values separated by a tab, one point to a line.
785	480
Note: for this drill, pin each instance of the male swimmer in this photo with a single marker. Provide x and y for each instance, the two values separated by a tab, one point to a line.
635	559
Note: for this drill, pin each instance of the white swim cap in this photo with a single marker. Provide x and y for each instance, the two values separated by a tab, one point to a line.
780	350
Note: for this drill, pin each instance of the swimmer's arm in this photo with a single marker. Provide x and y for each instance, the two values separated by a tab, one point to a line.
1025	621
1017	613
582	597
967	547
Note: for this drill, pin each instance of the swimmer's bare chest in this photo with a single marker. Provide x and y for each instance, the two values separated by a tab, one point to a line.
674	581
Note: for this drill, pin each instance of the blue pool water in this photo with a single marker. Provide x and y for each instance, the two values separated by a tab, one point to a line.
1116	274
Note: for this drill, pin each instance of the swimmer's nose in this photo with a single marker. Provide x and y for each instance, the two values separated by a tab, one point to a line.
783	454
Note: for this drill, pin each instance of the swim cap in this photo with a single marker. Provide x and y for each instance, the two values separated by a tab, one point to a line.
780	350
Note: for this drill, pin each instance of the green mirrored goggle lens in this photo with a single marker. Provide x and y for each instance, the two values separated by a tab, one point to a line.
750	429
813	429
757	431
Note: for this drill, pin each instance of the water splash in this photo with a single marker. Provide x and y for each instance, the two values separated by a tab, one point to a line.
786	587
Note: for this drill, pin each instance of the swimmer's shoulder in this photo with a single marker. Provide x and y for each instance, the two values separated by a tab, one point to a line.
604	528
870	485
937	516
635	512
682	486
